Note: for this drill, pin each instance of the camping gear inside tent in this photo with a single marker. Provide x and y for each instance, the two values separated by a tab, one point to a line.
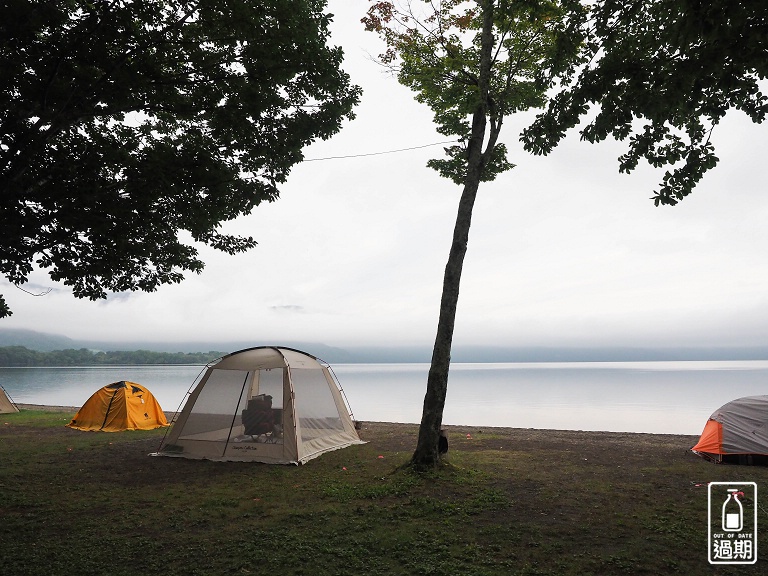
120	406
6	404
737	432
265	404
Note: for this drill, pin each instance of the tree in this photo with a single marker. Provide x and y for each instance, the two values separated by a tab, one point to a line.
662	73
473	64
131	129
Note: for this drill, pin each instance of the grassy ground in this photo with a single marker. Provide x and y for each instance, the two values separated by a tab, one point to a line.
511	502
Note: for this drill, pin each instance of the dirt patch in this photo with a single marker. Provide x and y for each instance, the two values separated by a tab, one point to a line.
600	447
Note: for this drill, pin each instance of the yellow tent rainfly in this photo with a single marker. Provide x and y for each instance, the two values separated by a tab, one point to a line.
120	406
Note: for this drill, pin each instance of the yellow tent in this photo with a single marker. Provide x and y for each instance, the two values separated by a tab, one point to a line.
120	406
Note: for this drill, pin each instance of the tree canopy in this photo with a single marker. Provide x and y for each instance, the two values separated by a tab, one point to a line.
132	129
662	74
435	48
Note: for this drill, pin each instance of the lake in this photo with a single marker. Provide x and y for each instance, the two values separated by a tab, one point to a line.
654	397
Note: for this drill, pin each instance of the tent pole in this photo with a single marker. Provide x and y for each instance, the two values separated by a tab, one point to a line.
106	413
234	416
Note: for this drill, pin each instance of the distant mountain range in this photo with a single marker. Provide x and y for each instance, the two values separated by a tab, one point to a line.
44	342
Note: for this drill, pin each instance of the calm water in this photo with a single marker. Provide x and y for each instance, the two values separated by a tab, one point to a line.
658	397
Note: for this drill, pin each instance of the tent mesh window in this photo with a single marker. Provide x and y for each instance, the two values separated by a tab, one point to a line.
211	417
317	410
238	404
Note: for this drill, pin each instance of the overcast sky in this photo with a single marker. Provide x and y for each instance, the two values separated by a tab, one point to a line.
563	249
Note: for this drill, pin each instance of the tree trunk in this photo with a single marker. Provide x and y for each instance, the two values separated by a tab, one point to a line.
426	454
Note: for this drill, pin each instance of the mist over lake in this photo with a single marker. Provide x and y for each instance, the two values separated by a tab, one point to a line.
653	397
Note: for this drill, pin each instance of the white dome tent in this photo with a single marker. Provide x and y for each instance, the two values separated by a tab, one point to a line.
266	404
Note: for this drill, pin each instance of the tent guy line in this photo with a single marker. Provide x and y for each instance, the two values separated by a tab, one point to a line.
381	153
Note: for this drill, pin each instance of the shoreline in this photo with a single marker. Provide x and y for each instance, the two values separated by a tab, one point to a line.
46	407
68	409
456	428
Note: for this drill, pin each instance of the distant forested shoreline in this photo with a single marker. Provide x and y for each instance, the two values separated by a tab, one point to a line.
20	356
